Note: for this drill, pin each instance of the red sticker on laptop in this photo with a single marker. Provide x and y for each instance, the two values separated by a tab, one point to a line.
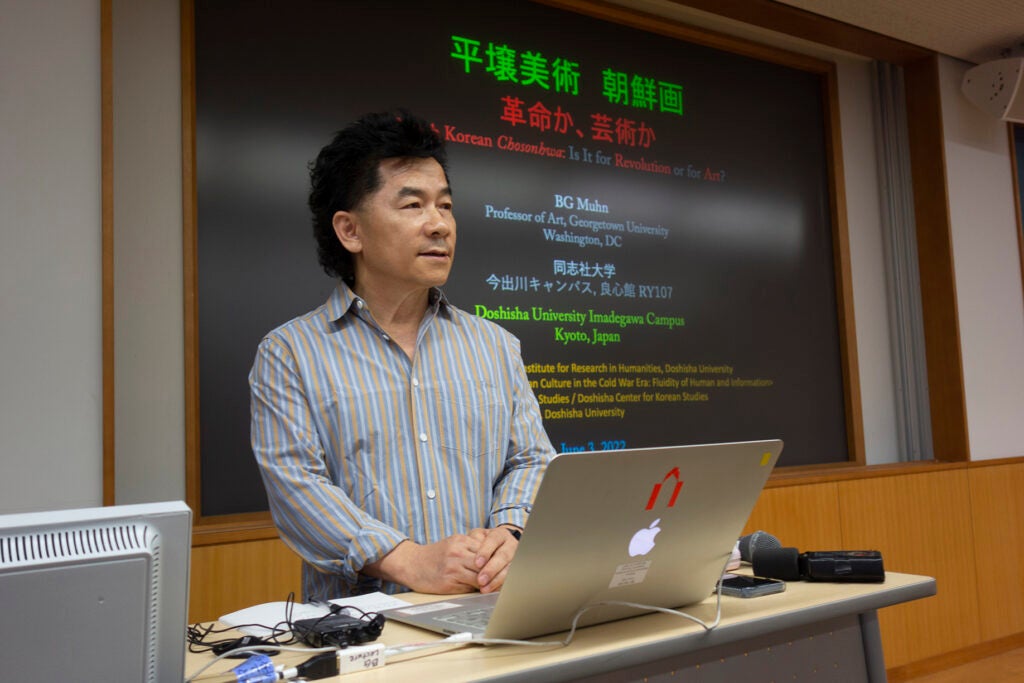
656	491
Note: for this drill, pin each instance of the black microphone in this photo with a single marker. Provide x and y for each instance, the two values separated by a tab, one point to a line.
848	566
751	544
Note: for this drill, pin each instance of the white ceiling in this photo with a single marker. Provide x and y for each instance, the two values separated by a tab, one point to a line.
973	30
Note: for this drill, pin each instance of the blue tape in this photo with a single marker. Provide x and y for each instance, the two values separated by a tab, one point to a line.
258	668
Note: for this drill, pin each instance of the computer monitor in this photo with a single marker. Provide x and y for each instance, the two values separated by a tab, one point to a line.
95	594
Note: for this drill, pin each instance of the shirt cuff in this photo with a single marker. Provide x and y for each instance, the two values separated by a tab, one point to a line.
516	516
371	545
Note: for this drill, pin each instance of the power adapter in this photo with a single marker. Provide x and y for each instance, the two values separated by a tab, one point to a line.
338	630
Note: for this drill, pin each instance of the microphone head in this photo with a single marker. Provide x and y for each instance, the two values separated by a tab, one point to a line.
753	543
778	563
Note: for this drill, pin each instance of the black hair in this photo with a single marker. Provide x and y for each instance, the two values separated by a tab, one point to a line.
347	170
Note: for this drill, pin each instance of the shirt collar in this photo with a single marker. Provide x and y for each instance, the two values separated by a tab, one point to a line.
344	301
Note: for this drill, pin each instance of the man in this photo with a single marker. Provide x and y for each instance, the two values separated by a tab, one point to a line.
398	438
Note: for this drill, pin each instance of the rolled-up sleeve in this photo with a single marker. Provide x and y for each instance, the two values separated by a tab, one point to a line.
314	516
529	450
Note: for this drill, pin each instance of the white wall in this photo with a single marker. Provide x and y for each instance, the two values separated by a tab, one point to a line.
50	255
987	267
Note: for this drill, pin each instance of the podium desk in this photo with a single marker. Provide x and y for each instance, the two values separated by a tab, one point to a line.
824	632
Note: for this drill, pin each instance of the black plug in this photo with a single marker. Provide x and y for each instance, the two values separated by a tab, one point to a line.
320	666
376	626
244	641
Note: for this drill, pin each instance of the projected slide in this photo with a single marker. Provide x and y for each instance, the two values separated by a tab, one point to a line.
649	216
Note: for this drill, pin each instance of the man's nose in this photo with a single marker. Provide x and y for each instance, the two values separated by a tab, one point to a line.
440	222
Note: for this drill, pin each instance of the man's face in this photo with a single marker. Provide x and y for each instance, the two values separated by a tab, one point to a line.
402	235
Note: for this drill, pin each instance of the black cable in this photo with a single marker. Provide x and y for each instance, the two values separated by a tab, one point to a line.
362	615
199	638
204	638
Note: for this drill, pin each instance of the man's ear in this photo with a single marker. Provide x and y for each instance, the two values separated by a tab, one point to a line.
346	227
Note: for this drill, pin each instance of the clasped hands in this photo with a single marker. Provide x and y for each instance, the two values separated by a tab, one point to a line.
462	563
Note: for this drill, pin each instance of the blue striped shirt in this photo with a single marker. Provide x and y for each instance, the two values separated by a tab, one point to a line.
361	448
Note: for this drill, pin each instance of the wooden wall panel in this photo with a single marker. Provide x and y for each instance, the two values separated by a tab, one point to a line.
922	525
997	497
804	517
228	577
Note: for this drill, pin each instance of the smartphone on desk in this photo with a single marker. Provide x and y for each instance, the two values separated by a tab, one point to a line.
742	586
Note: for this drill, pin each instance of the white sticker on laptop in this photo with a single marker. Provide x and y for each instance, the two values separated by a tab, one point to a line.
427	608
630	573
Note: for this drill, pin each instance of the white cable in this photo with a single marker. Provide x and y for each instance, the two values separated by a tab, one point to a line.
454	639
462	638
649	608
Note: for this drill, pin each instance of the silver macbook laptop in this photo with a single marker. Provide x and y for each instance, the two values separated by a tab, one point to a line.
654	526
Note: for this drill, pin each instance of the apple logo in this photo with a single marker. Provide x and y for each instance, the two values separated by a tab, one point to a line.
643	540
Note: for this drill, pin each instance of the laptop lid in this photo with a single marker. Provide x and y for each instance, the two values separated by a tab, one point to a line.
654	526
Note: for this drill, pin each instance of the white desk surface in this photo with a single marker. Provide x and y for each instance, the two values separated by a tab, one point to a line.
626	642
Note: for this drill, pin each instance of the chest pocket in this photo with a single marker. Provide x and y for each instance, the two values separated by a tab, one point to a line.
474	419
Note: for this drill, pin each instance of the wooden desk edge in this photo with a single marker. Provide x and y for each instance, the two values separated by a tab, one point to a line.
642	639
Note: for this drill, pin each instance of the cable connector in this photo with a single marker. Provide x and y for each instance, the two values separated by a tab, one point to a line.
319	666
360	658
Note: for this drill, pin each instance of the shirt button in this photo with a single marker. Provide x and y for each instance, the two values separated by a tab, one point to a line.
423	436
386	337
431	494
359	303
415	382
